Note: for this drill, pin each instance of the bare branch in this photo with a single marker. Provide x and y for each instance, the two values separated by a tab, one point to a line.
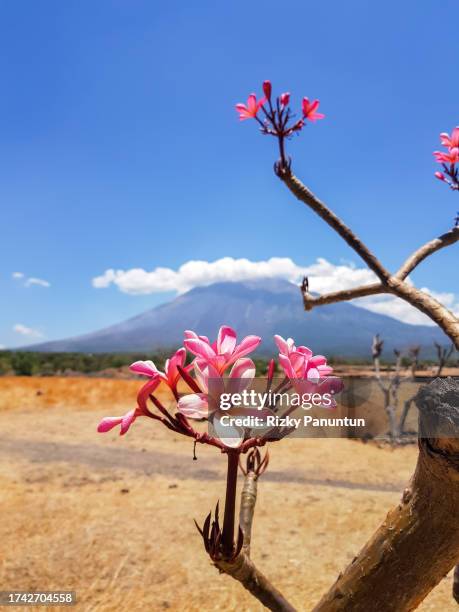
427	249
306	196
424	302
244	570
396	284
311	302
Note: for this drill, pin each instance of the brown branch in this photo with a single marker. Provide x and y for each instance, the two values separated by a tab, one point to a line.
427	249
376	288
399	554
345	295
244	571
424	302
456	584
306	196
391	284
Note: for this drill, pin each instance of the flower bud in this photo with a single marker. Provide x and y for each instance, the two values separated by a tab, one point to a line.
271	367
267	89
440	176
284	99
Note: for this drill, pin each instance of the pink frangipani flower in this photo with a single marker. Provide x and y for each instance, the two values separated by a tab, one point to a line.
451	157
206	405
205	401
196	405
224	351
126	420
171	373
299	362
278	119
449	160
250	110
451	142
310	110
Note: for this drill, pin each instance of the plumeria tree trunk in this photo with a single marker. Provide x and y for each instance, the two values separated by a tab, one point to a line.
418	542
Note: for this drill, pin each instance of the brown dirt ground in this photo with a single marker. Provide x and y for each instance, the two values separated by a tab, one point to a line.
112	517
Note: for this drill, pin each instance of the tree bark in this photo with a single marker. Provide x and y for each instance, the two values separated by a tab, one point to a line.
243	570
418	543
247	509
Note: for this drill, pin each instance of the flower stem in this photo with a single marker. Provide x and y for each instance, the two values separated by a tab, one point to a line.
230	504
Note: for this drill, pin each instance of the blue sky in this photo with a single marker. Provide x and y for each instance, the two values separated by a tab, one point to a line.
120	147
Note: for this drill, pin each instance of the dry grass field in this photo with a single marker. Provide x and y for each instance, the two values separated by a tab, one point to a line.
112	517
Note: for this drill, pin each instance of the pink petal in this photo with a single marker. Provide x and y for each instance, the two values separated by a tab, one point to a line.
282	344
226	340
177	359
230	435
194	406
200	348
241	375
248	344
455	137
324	370
304	350
243	368
317	360
204	371
252	104
190	334
299	363
284	361
313	374
147	368
147	389
108	423
127	421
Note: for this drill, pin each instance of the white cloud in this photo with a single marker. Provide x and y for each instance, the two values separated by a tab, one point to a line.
399	309
19	328
323	275
195	273
37	281
31	280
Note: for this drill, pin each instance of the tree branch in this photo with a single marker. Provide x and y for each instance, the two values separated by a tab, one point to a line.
395	284
311	302
302	193
244	571
399	554
425	250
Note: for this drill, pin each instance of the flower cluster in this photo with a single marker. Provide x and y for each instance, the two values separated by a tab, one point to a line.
226	365
277	119
449	159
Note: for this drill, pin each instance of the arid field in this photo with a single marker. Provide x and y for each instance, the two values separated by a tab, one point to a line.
112	517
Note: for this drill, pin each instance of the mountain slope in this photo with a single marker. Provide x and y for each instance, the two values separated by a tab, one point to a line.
264	308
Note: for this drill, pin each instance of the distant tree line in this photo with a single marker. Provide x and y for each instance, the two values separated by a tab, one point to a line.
29	363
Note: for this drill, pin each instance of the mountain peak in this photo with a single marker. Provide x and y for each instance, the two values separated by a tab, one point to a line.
263	307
